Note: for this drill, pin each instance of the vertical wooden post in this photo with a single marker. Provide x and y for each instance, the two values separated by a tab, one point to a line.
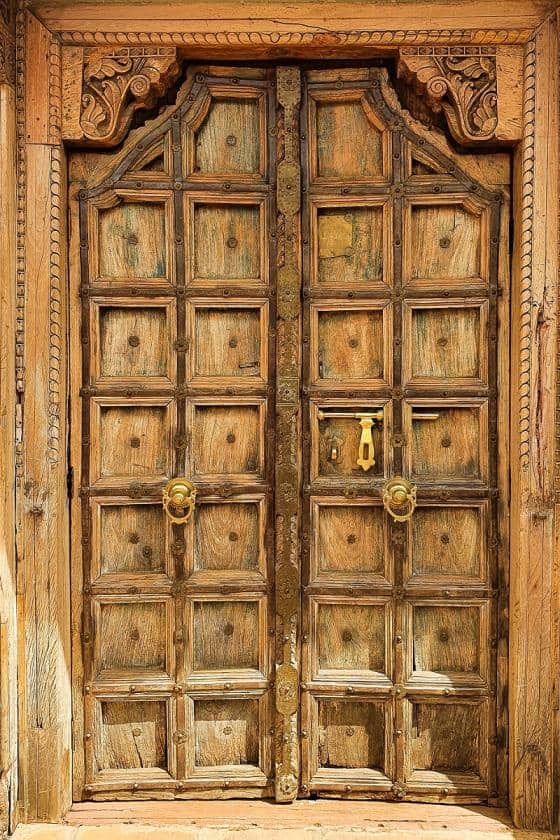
8	623
42	507
534	562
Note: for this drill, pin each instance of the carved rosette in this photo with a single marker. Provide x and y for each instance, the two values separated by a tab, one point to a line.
117	82
288	459
461	82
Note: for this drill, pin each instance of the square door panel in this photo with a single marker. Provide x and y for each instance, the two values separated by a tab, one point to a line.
131	735
129	538
350	245
227	439
226	733
132	239
446	343
133	638
229	343
448	643
349	541
133	343
452	448
351	640
346	139
130	441
231	140
226	634
227	240
336	444
446	742
445	242
350	345
352	735
228	538
447	544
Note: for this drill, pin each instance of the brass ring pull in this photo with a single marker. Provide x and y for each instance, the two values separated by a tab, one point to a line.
179	496
399	498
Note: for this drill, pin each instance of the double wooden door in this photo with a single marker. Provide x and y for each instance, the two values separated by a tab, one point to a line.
288	294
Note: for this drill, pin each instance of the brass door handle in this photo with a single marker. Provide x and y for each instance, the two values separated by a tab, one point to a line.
399	498
179	497
366	450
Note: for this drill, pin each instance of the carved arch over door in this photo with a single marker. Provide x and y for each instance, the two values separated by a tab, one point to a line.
459	81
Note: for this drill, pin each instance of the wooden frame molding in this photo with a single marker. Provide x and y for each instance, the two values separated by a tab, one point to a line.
127	56
8	596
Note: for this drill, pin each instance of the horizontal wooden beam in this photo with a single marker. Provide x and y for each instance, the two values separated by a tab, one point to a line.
503	21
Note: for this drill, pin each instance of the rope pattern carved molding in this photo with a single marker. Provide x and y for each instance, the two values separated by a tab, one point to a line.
461	82
279	39
117	82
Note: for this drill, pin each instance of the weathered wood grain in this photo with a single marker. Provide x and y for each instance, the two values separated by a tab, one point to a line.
531	805
534	572
8	598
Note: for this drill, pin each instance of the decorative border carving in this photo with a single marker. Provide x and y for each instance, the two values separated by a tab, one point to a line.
21	232
56	315
7	55
116	83
461	82
7	13
7	42
55	92
324	38
526	253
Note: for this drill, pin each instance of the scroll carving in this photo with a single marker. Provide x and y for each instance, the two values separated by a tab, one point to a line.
461	82
117	82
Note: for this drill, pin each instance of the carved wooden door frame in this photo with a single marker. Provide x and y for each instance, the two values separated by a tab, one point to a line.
63	81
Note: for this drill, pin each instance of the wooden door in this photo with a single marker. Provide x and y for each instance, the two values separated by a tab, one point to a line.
193	634
400	373
176	377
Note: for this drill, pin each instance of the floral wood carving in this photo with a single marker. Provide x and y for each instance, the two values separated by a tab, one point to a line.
117	82
7	42
7	12
461	82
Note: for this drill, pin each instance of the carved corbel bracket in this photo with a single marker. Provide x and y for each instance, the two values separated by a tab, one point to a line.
116	82
461	82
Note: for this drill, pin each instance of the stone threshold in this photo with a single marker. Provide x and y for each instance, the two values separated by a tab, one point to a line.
256	820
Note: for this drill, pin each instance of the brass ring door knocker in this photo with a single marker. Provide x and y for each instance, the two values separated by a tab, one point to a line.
179	497
399	498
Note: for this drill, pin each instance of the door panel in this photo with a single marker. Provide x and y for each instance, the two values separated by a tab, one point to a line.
289	294
350	243
175	382
400	289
